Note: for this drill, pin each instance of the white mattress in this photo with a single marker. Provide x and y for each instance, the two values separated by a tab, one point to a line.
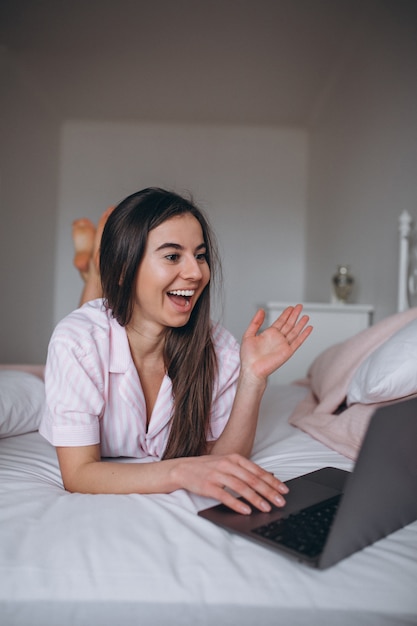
74	559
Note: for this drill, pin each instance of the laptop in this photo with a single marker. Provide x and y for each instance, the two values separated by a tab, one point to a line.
331	513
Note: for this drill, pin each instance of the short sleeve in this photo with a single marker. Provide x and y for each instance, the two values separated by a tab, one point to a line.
74	389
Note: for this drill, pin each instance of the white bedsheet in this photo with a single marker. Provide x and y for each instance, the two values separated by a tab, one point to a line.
74	559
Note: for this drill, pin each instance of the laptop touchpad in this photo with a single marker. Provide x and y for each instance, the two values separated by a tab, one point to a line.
304	493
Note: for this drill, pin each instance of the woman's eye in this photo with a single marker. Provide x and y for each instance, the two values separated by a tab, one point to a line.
201	257
172	257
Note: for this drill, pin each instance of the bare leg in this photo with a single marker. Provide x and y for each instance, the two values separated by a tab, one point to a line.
90	272
100	227
83	234
92	285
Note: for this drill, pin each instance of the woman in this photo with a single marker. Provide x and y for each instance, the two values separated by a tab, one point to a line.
143	373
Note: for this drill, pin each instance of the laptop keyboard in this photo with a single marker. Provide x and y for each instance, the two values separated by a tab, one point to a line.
306	531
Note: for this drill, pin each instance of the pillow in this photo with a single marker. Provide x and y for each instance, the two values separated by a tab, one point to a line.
390	372
329	379
22	398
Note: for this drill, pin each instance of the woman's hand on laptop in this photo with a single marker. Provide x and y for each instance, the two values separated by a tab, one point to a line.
227	477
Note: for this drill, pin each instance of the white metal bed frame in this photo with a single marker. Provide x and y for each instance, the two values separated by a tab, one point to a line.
407	235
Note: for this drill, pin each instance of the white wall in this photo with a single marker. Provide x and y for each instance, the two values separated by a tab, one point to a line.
363	160
250	180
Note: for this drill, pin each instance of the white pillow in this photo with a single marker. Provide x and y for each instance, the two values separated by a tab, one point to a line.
22	398
390	372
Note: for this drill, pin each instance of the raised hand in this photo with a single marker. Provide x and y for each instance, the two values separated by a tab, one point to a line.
264	352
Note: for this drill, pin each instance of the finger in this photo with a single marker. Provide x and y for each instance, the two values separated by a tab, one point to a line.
260	496
258	487
231	501
292	332
299	339
268	477
293	326
266	484
255	324
288	317
240	498
293	318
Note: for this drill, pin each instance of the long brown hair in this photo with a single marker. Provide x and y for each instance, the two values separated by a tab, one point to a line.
189	355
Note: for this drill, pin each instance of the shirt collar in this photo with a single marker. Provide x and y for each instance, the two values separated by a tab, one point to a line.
120	357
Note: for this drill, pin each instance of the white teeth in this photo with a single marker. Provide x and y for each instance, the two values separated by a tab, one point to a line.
183	292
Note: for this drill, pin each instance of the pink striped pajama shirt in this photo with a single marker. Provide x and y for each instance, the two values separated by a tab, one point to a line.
93	392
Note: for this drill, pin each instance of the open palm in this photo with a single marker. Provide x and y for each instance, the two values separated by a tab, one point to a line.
264	352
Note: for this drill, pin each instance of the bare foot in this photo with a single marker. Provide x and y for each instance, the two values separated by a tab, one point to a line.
91	275
83	235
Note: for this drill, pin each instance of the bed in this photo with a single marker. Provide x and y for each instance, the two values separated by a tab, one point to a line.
75	559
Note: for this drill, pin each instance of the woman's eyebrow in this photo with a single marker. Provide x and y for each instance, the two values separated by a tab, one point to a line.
168	244
178	246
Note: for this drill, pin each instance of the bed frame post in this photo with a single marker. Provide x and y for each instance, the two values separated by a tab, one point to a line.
405	227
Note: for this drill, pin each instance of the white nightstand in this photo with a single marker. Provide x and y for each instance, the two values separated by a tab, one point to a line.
332	324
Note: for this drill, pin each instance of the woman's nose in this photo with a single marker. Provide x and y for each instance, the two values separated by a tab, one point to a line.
191	268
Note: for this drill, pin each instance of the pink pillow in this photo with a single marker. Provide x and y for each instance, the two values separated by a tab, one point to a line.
331	372
329	377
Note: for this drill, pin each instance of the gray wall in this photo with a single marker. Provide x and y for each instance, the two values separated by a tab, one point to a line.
250	180
29	163
360	171
363	159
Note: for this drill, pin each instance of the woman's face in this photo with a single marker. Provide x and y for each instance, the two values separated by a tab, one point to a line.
172	274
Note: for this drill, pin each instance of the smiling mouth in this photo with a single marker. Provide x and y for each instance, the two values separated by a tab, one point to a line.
181	297
185	293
